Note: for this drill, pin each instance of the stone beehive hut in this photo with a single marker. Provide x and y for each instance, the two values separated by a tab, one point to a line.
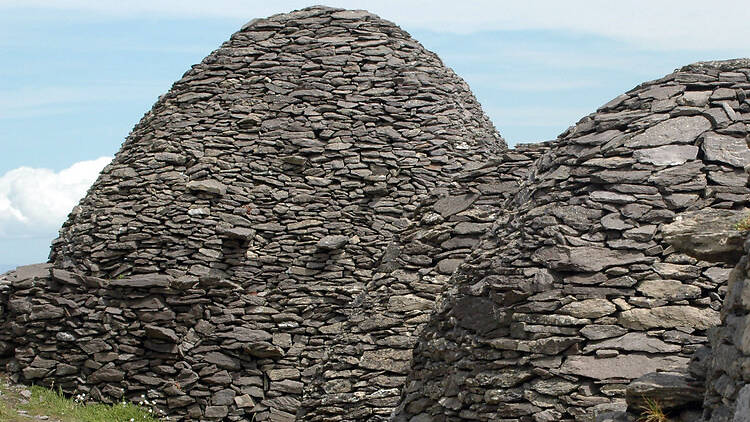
574	292
271	202
270	240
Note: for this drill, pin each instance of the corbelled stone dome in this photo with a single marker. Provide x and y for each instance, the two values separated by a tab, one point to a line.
303	125
269	205
575	291
270	240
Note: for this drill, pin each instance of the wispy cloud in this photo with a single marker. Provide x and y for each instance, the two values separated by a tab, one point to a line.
34	201
26	101
660	25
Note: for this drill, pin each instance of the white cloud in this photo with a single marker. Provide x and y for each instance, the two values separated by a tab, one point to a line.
664	24
35	202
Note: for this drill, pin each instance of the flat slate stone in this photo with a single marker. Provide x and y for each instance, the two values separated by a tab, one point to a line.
142	281
668	289
629	366
33	272
599	332
584	258
667	155
588	308
669	317
634	342
726	149
671	390
213	187
332	242
709	234
454	204
678	130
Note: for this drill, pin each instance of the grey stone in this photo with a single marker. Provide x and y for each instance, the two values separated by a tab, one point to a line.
213	187
584	259
709	234
393	360
668	289
106	375
588	308
244	401
598	332
451	205
667	155
142	281
726	149
623	366
332	242
161	333
669	317
670	389
678	130
216	412
742	408
406	303
634	342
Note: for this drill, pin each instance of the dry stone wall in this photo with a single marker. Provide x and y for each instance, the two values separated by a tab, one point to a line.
271	239
209	353
366	364
727	397
574	291
264	201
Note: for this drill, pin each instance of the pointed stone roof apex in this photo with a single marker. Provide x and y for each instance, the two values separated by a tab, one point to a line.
335	12
722	65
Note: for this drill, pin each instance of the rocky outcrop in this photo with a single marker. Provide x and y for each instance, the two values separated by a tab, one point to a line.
574	292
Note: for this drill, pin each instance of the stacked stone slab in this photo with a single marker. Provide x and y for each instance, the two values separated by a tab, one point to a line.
727	383
574	292
366	364
271	239
258	206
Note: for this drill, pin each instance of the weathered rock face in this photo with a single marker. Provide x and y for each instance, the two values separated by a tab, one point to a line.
576	283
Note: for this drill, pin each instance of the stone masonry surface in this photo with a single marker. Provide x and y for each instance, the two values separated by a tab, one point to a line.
319	169
272	238
574	292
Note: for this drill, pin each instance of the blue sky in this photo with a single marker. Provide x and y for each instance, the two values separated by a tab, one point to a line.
78	74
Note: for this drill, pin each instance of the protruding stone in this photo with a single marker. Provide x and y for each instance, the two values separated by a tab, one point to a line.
667	155
678	130
213	187
622	366
709	234
333	242
669	317
671	390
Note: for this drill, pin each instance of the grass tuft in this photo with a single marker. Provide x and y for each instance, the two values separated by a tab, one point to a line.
653	412
743	225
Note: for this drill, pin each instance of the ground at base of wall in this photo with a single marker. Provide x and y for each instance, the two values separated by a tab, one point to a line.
21	403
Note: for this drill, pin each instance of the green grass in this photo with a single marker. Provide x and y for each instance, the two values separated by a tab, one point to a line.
653	412
744	224
57	406
6	413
